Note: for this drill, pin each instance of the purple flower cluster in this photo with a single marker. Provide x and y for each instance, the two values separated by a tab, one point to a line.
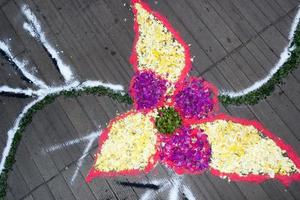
187	150
147	90
194	100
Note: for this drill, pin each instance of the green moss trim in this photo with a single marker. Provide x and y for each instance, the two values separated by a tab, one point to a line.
266	90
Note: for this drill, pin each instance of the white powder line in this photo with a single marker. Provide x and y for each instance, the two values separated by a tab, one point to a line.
150	194
12	132
56	147
174	192
35	30
188	193
84	154
167	183
284	56
5	88
21	66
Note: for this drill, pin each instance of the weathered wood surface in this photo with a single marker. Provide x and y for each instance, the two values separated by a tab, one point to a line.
235	43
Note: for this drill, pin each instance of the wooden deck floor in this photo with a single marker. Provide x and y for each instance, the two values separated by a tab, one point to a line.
235	43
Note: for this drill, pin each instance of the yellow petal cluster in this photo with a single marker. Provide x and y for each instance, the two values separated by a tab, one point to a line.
157	49
131	142
241	149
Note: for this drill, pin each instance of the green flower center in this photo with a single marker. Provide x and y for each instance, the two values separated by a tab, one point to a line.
167	120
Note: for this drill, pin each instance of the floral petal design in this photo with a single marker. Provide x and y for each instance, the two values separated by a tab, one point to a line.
244	150
127	146
185	151
158	47
195	99
147	90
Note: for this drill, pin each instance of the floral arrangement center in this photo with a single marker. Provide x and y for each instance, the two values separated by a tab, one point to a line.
167	120
175	119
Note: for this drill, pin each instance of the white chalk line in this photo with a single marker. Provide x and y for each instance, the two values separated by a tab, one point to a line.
284	56
175	184
12	132
35	30
90	138
5	88
21	66
188	193
63	145
80	161
174	192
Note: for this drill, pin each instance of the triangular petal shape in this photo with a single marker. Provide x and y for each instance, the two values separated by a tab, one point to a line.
244	150
128	146
157	46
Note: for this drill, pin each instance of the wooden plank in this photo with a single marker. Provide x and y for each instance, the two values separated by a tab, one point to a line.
34	145
42	192
8	34
98	186
254	16
16	183
67	41
202	35
277	8
112	32
97	24
201	61
29	197
3	2
79	187
234	19
274	39
47	132
9	195
267	10
27	167
285	5
87	37
65	131
215	24
284	26
77	116
59	188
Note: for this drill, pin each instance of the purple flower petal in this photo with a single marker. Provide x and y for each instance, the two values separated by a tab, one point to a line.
147	90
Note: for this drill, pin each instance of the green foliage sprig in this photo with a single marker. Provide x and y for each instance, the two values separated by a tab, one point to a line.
168	120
